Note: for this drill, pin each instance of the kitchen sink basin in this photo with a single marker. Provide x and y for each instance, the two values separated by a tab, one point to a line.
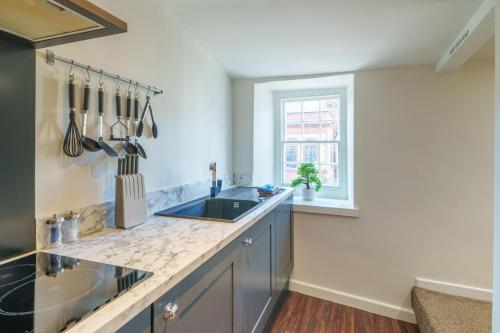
216	209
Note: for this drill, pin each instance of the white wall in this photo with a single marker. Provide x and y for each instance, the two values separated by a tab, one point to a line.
424	184
264	135
243	126
193	116
496	294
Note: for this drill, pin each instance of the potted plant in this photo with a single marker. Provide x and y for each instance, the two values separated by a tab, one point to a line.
308	175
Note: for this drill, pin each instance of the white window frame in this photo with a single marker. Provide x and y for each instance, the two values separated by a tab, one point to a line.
343	191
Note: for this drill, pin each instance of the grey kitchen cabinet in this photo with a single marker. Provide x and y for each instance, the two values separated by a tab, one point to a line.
206	301
256	281
236	290
283	240
140	324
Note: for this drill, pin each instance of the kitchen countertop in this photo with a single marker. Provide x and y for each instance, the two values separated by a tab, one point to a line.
170	248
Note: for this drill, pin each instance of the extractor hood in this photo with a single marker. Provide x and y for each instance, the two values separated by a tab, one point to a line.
43	23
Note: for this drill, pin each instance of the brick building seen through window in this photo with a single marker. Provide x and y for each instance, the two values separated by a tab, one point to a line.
311	134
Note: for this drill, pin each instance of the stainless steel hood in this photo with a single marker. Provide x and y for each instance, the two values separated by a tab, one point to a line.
43	23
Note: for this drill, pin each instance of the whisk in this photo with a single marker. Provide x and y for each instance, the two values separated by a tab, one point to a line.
72	145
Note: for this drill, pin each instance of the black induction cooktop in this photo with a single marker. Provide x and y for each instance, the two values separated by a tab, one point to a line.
48	293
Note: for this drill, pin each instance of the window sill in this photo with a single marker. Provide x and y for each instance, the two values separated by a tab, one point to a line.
325	207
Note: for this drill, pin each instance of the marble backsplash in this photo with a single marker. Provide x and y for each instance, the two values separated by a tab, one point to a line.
95	218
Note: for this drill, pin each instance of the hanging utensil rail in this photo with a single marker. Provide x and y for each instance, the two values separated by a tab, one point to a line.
52	57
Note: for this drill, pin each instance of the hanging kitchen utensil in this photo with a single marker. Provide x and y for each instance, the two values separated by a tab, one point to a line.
119	122
104	146
140	128
88	143
72	145
130	148
140	149
154	128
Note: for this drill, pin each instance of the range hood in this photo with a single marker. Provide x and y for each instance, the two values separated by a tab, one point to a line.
43	23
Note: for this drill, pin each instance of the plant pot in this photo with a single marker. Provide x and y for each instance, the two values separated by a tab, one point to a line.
308	194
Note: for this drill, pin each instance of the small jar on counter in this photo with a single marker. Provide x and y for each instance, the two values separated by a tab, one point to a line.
55	235
70	228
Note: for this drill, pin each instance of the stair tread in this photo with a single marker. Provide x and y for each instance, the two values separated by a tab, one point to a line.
442	313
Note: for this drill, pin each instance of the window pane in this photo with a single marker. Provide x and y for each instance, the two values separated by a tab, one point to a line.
329	131
289	172
291	153
293	131
308	121
293	111
329	153
326	104
329	175
310	153
311	106
312	131
330	109
311	116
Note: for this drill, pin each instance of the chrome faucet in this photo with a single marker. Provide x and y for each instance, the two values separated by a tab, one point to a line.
213	168
216	184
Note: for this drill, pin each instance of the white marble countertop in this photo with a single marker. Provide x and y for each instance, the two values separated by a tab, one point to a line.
170	248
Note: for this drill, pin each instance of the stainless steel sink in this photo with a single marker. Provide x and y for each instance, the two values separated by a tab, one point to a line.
230	206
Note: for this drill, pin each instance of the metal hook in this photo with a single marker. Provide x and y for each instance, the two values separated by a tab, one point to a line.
101	82
71	74
87	80
129	86
136	86
147	93
117	83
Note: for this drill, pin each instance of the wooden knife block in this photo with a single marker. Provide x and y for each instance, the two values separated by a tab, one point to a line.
130	201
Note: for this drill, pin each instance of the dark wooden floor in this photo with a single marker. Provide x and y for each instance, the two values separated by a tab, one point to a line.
305	314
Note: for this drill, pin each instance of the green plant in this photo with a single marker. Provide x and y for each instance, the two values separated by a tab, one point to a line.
308	175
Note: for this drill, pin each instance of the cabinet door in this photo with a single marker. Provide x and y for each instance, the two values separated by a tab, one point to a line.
140	324
283	243
203	302
256	278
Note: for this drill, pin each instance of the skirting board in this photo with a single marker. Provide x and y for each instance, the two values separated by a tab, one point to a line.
358	302
455	289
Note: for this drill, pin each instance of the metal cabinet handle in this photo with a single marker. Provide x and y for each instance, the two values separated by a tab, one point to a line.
247	242
170	311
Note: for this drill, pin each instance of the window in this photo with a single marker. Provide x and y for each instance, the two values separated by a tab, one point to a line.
313	128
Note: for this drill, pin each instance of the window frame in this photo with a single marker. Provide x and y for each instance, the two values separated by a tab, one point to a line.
340	192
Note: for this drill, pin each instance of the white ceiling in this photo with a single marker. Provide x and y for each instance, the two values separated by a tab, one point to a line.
262	38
